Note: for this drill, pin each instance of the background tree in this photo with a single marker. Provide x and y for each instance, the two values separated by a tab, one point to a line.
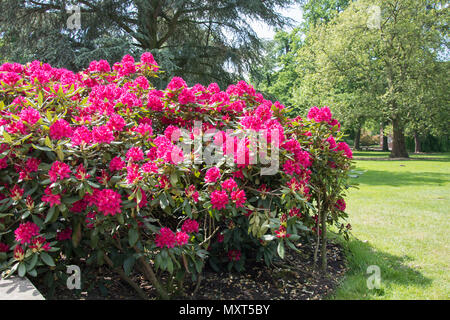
321	11
276	75
374	71
203	41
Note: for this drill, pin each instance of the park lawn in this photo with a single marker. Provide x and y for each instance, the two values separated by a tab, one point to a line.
400	222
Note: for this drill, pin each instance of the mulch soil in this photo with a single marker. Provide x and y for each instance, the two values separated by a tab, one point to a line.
294	278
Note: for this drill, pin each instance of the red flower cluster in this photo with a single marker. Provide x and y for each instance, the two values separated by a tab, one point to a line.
59	171
190	226
108	202
26	231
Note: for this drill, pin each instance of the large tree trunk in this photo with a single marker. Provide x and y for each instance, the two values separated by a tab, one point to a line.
357	139
383	139
398	141
417	144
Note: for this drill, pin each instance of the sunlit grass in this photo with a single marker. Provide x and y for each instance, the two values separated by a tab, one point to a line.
400	218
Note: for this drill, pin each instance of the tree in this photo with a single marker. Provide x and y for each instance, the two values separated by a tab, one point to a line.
373	69
201	40
322	11
276	76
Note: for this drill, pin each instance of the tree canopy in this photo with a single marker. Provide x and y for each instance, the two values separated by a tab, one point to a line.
378	60
203	41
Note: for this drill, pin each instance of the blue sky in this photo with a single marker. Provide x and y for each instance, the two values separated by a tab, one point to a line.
266	32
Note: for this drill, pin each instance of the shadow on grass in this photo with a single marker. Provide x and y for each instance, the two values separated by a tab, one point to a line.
394	270
399	179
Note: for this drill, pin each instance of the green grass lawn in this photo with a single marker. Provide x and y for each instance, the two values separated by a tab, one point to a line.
400	218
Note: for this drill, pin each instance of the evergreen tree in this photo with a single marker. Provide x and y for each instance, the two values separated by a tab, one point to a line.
203	41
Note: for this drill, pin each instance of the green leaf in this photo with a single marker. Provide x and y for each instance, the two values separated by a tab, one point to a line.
7	137
128	264
47	259
94	238
170	265
280	249
163	202
32	263
32	273
48	143
188	209
133	237
22	269
60	154
50	214
40	98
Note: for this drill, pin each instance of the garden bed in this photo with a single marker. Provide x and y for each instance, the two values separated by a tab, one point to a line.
293	278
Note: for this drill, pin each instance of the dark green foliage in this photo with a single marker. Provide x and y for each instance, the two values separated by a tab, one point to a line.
202	41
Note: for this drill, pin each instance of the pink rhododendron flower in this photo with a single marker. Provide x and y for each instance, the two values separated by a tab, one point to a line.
59	171
150	167
30	115
108	202
144	129
135	154
4	247
234	255
186	96
16	193
39	244
191	192
25	232
340	204
165	238
103	178
116	164
342	146
32	164
182	238
133	174
282	233
295	212
3	163
176	83
212	175
60	129
19	253
213	88
65	234
219	199
81	173
229	184
102	134
148	59
116	122
141	82
238	198
81	135
331	142
52	199
190	226
320	115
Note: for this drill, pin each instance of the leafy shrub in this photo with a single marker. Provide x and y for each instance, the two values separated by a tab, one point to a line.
100	165
369	140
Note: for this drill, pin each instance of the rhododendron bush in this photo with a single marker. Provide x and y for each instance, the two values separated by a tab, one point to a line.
102	166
